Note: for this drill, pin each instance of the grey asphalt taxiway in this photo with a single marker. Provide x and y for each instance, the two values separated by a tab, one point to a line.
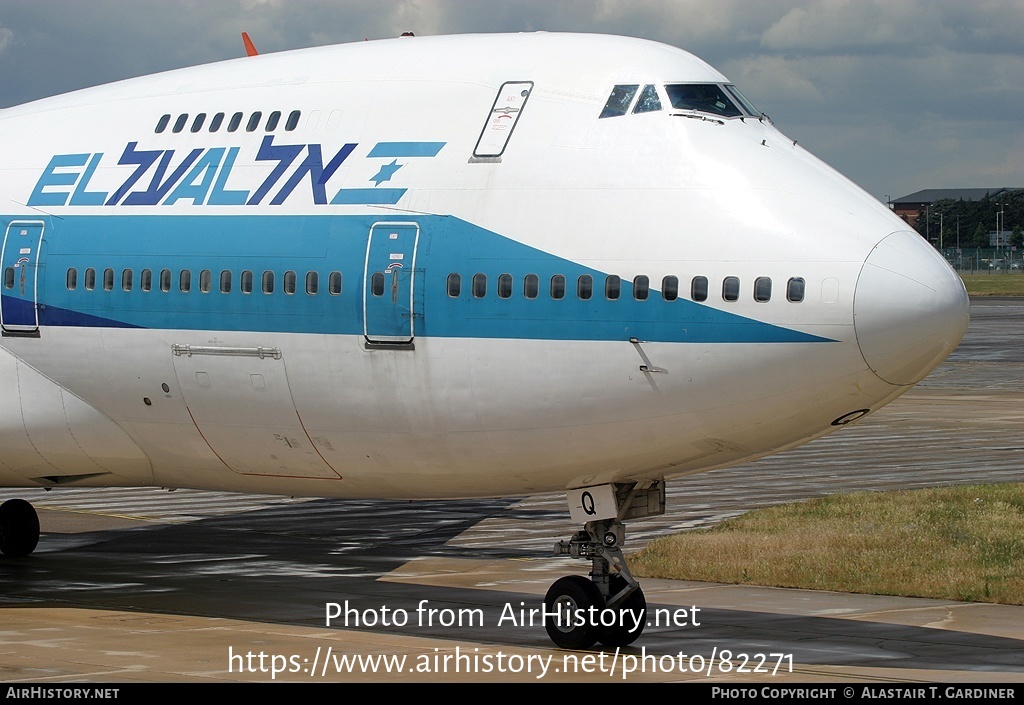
150	585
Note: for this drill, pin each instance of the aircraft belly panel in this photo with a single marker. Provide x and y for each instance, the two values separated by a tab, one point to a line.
242	405
49	435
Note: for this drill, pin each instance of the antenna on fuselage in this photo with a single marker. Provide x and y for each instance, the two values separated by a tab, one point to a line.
250	48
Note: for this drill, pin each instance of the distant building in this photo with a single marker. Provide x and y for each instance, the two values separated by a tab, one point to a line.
999	239
911	207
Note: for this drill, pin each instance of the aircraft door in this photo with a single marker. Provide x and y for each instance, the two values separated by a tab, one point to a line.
389	283
19	289
501	120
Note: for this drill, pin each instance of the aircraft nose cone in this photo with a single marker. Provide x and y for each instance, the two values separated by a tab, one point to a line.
910	309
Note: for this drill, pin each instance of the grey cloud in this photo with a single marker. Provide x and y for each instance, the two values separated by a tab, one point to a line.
841	26
900	94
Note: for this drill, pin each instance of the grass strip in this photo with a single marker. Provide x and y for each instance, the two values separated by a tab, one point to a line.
959	543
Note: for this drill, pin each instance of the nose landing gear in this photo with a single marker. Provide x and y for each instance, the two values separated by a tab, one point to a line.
610	607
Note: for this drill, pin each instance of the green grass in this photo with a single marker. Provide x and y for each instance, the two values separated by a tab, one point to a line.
958	543
994	284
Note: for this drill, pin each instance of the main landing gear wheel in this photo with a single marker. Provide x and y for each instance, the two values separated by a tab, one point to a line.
19	528
568	617
631	615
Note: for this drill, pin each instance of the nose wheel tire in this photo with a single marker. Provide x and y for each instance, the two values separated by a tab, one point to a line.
19	528
569	619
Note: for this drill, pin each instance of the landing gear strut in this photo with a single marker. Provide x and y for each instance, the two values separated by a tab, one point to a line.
19	528
609	607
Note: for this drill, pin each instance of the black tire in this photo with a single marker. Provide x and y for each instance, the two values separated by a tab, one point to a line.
19	528
571	594
636	605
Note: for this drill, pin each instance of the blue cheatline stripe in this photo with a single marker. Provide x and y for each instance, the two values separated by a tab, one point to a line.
368	196
406	149
337	243
55	316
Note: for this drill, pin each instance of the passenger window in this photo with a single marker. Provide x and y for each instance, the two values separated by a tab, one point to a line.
454	285
312	283
612	287
699	289
108	279
504	286
185	281
245	282
235	121
215	124
670	288
272	120
795	290
619	100
585	287
205	281
9	278
146	279
293	120
531	286
289	282
254	121
731	289
225	281
376	283
126	280
72	278
90	279
479	286
762	289
649	100
161	125
334	284
165	280
641	287
268	282
197	124
557	286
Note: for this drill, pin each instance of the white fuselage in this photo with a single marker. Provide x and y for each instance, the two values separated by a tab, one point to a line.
478	155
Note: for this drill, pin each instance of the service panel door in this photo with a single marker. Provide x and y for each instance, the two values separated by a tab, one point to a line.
20	262
389	282
241	402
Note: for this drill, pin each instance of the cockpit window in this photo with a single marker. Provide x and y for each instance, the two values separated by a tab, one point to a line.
704	98
649	100
742	100
619	101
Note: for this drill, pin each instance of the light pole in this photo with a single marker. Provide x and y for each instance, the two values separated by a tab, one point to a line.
998	231
959	252
1002	222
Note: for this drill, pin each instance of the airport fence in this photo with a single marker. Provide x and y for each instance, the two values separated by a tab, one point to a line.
986	260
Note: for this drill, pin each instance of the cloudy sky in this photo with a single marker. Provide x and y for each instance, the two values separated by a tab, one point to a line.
900	95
